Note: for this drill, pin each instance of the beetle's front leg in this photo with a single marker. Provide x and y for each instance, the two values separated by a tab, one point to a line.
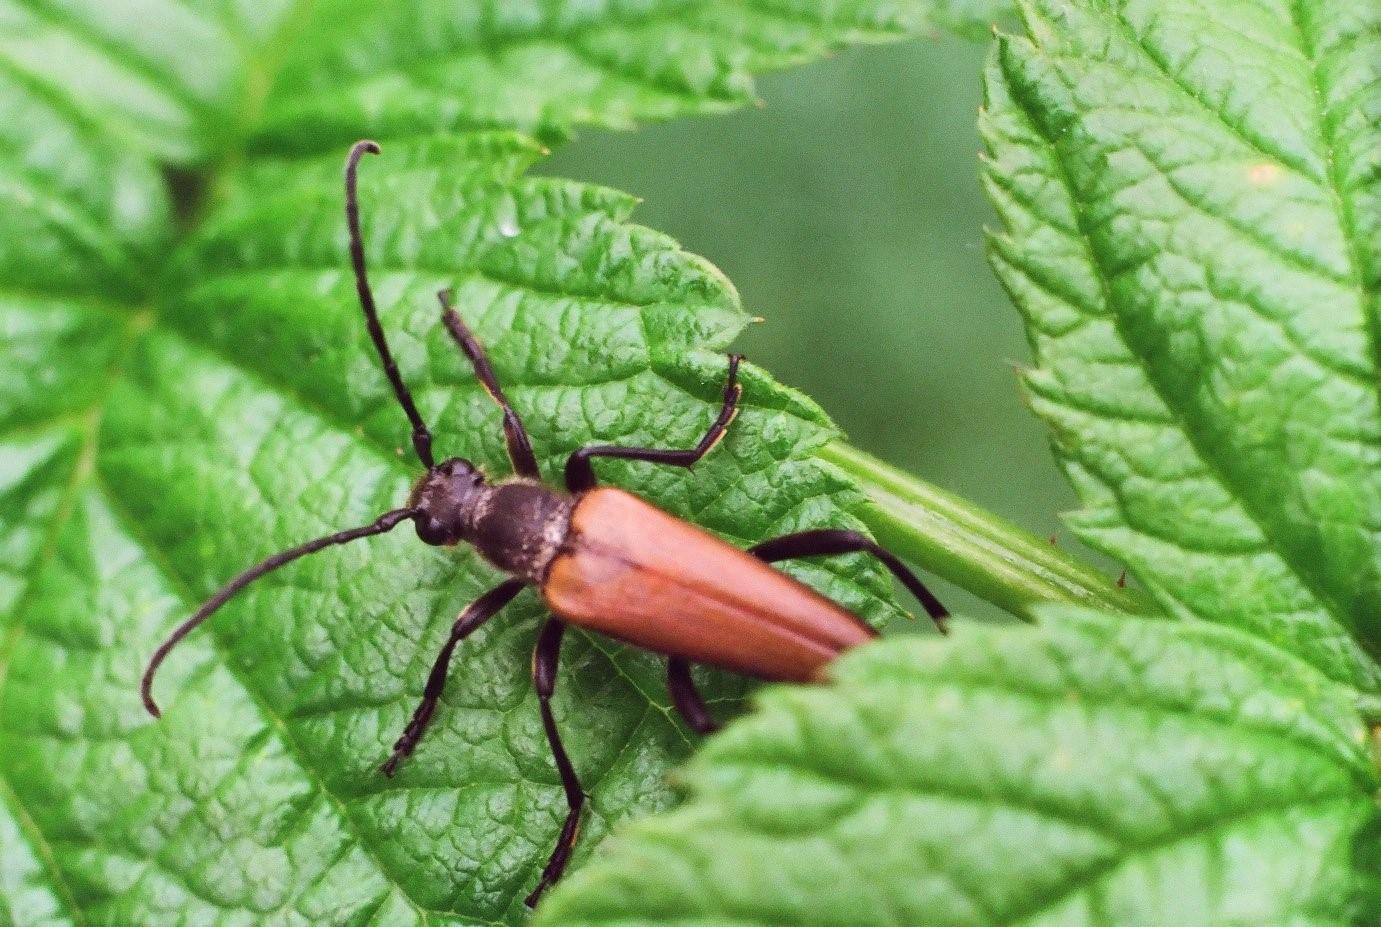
515	435
545	659
474	615
825	542
580	473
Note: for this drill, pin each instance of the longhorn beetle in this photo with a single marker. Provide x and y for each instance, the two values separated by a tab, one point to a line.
602	558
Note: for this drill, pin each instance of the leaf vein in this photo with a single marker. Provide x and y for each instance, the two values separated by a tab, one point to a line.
273	720
1096	260
43	850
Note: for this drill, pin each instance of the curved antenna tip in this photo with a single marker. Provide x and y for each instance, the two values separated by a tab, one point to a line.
384	523
364	145
149	704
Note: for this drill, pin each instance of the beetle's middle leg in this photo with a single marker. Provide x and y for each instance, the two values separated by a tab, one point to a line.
580	474
825	542
545	658
474	615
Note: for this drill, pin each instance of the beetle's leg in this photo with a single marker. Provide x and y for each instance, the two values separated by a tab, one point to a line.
515	436
544	662
474	615
580	474
827	542
687	698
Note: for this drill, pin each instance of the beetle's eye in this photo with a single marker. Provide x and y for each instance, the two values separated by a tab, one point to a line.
431	531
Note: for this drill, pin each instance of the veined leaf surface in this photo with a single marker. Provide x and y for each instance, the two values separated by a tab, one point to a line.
188	387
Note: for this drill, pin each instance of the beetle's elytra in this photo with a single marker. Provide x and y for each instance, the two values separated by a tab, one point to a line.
602	558
635	573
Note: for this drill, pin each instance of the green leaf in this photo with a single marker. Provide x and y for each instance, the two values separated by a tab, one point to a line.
188	389
1191	212
1090	770
251	416
974	18
401	69
26	895
166	77
184	81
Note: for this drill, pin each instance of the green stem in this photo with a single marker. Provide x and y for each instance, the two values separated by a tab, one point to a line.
987	555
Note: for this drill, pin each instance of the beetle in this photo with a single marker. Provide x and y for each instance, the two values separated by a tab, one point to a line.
603	559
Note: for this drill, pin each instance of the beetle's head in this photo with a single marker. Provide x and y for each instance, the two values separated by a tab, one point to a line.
445	499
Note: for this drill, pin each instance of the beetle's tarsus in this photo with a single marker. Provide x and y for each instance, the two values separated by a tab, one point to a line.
390	766
545	657
402	749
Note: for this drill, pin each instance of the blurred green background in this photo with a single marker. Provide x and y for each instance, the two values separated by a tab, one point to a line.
849	213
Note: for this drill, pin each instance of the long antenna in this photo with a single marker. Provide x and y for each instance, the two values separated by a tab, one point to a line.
421	437
385	522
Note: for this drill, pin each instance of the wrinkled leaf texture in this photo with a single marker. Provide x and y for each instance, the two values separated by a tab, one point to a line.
188	387
1188	196
1089	771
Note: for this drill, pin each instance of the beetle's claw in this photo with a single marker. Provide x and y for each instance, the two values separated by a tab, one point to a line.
391	764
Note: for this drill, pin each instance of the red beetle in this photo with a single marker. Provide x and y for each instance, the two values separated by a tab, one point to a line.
603	559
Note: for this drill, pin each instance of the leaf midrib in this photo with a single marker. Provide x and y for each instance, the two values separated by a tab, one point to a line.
43	850
83	469
1371	317
136	329
1098	873
1334	185
1329	183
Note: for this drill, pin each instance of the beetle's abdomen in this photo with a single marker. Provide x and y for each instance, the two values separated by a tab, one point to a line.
635	573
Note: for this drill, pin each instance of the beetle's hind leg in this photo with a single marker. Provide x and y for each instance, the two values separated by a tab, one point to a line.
545	659
686	697
826	542
474	615
580	473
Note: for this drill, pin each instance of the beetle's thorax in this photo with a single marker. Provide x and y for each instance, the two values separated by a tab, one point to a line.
518	525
